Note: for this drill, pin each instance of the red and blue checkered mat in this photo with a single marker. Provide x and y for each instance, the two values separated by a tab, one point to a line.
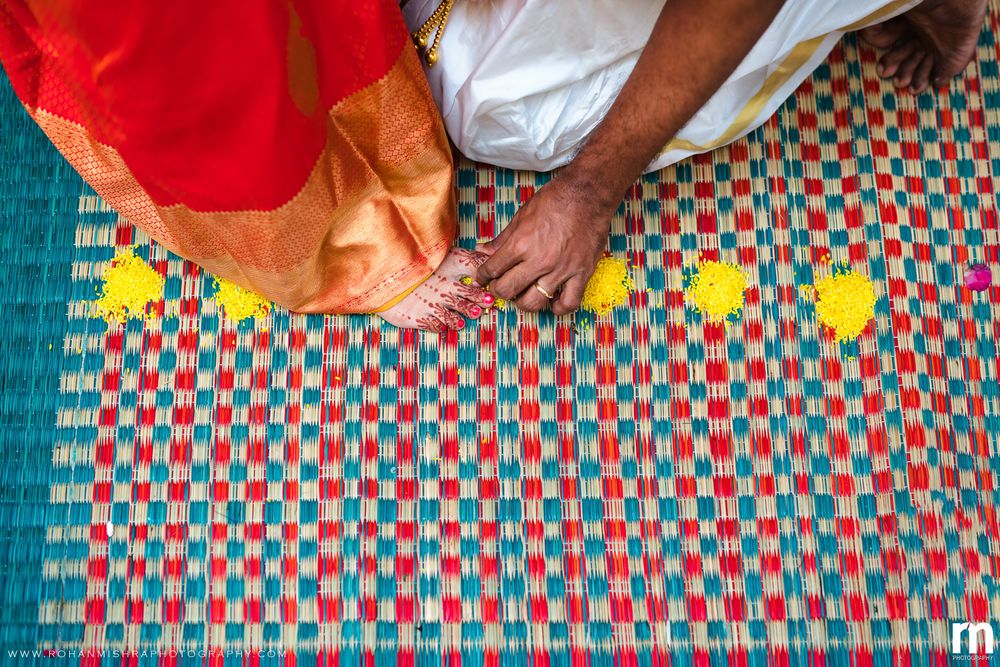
648	489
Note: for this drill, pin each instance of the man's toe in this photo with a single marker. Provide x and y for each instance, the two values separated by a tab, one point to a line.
922	76
904	75
891	62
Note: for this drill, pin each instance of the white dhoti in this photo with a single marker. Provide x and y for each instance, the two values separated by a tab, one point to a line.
522	83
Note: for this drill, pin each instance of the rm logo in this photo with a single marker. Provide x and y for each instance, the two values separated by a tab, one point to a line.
976	632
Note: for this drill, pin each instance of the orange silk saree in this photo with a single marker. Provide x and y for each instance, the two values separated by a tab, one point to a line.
291	146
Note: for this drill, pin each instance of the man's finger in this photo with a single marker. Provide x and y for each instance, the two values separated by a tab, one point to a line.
571	295
511	284
498	264
494	244
533	300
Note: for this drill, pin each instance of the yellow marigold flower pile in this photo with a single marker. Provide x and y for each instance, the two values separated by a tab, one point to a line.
845	303
609	287
129	286
717	290
238	303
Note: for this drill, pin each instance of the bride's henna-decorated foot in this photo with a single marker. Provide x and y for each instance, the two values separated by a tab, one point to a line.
444	300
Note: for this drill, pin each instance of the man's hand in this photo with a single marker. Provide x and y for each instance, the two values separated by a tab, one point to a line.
553	241
556	239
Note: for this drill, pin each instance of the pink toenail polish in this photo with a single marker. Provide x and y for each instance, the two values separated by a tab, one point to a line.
460	325
488	299
476	311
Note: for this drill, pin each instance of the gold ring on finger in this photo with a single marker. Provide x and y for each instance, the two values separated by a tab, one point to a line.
544	291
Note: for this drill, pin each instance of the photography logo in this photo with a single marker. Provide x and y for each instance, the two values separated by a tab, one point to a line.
972	639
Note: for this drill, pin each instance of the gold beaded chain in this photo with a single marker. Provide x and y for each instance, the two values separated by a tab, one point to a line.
436	21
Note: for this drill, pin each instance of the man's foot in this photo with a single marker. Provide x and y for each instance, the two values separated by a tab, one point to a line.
930	44
446	298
